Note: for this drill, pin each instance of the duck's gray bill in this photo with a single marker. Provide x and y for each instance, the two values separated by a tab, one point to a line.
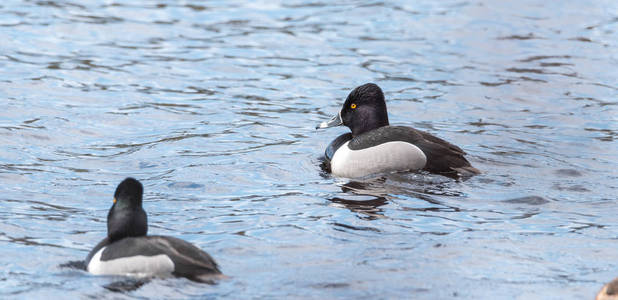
335	121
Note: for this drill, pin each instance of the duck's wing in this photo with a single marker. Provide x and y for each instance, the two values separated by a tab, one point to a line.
189	260
129	247
444	159
96	249
442	156
434	139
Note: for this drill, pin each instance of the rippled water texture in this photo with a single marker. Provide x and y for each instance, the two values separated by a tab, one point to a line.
213	106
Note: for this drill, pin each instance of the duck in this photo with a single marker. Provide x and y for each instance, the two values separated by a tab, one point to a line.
374	146
609	291
128	250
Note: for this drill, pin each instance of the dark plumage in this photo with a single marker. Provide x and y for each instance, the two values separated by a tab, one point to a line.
128	250
364	112
127	217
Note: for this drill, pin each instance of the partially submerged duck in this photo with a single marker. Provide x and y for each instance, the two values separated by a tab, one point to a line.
374	146
127	250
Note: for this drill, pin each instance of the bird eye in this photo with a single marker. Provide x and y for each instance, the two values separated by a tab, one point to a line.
353	106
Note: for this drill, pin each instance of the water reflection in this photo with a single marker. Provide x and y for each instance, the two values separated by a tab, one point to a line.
364	198
213	104
529	200
126	285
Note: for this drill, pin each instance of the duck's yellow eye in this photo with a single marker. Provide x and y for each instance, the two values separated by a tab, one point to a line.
353	106
114	199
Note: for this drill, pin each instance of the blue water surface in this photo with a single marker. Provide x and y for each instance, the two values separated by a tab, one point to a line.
213	105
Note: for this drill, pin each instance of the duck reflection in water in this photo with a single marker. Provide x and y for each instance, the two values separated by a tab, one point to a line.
364	198
368	196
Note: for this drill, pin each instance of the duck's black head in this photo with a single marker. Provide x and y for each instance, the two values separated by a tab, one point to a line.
362	111
127	217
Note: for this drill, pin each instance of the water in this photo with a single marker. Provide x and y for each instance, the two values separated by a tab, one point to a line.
213	106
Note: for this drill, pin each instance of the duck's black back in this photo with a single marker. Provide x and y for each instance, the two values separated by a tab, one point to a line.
442	156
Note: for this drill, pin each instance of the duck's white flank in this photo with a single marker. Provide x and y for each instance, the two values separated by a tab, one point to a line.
390	156
134	265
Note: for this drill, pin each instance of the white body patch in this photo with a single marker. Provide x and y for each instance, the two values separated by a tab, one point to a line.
391	156
134	265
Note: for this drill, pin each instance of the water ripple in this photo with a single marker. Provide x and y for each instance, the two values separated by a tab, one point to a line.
213	106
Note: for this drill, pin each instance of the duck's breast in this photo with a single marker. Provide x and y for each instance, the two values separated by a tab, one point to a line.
335	145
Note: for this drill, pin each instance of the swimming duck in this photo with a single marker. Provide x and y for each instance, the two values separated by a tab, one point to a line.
127	250
374	146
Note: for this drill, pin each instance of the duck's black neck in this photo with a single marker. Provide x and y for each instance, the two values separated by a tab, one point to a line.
126	222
